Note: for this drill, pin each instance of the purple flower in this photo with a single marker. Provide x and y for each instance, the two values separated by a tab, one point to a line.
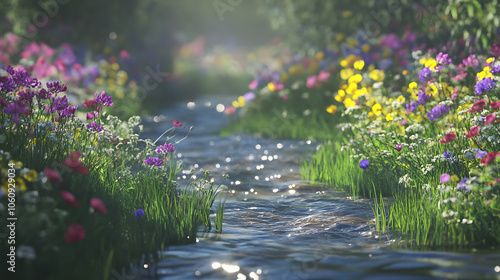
15	108
56	87
139	214
484	85
398	147
68	112
169	148
481	154
7	84
445	178
410	108
461	185
154	161
437	112
26	95
424	74
103	99
443	59
495	69
94	127
422	97
448	154
60	103
22	78
43	94
364	164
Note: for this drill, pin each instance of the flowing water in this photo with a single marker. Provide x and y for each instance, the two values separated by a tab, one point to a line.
279	227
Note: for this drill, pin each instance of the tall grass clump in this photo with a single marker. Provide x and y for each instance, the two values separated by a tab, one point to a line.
87	198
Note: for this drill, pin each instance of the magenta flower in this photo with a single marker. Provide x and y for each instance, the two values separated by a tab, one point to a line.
323	76
98	205
489	119
473	132
398	147
74	233
69	198
448	138
311	81
177	124
445	178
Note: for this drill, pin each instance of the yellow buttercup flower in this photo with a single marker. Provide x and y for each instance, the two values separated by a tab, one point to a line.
351	88
377	109
365	48
377	75
490	60
454	178
372	115
241	101
356	79
389	117
346	73
320	55
271	87
359	64
348	102
235	104
332	109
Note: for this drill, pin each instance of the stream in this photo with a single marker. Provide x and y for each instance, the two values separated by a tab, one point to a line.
278	227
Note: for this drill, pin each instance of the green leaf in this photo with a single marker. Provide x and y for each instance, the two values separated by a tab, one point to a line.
453	11
470	10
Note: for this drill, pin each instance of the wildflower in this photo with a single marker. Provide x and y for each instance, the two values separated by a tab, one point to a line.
103	99
473	132
403	122
424	74
489	119
422	97
454	178
443	59
177	124
74	163
139	214
60	103
53	176
364	164
377	109
410	108
169	148
448	154
154	161
398	147
448	138
98	205
484	85
69	198
359	64
311	81
16	108
74	233
481	154
332	109
491	158
91	104
437	112
461	185
31	176
495	105
94	127
323	76
478	106
445	178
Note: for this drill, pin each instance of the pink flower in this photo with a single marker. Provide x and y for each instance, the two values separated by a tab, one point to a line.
279	86
98	205
285	97
478	106
177	124
489	119
253	84
69	198
124	54
74	233
403	122
495	105
311	81
230	110
445	178
74	163
473	132
323	76
53	176
448	138
491	158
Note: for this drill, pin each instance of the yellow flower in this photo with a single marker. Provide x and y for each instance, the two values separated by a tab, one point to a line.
431	63
271	87
401	99
346	14
405	72
320	55
377	109
371	115
20	184
332	109
339	98
486	73
377	75
235	104
284	77
31	176
352	43
115	66
359	64
346	73
454	178
356	79
351	88
344	63
340	37
389	117
241	100
348	102
490	60
432	90
365	48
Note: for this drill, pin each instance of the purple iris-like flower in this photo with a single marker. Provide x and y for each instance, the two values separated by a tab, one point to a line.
15	108
26	95
7	84
410	108
481	154
154	161
103	99
43	94
139	214
56	87
94	127
398	147
424	74
495	69
68	112
169	148
22	78
437	112
422	97
443	59
461	186
364	164
448	154
484	85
